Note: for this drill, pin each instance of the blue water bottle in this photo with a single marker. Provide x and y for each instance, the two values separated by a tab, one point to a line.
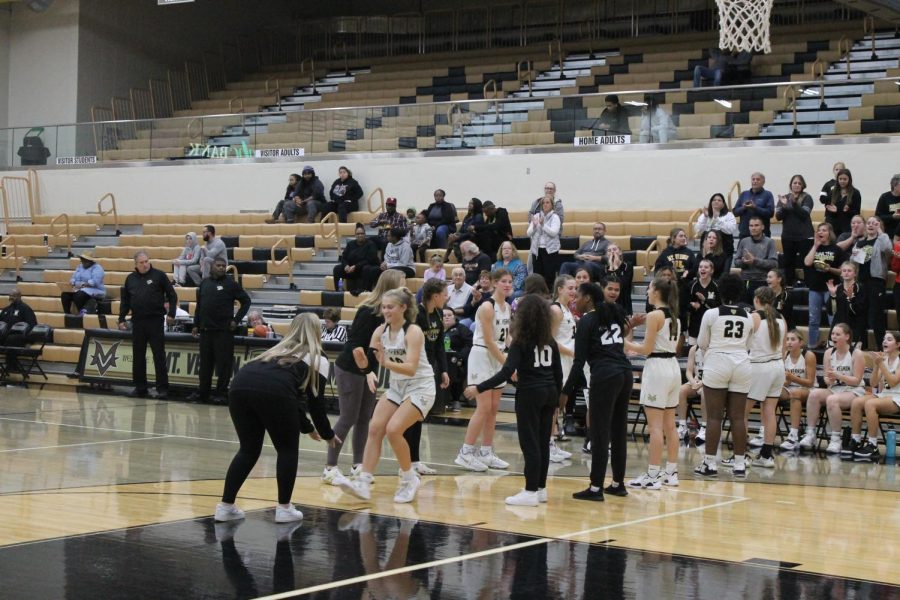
890	442
340	285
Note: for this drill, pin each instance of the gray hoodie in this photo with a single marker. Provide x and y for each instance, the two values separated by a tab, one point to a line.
765	258
191	253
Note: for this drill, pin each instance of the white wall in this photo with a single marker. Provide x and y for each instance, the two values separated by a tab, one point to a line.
636	177
5	142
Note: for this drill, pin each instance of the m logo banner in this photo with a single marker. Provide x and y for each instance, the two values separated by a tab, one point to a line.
104	359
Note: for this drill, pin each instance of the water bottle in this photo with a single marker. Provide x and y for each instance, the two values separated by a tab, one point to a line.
447	342
340	285
890	442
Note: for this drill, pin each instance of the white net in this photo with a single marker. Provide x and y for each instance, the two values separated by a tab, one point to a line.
744	25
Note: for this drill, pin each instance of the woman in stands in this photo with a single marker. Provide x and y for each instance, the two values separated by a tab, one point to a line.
712	251
617	266
701	295
474	218
563	327
872	251
724	337
766	367
293	188
600	343
800	378
355	400
430	319
845	203
793	210
828	187
544	230
399	347
716	217
844	369
489	346
823	264
442	216
661	383
692	389
268	394
508	258
535	357
682	259
190	255
782	303
848	302
344	194
886	378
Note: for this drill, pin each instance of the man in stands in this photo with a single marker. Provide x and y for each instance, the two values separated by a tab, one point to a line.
495	230
310	198
214	323
398	254
213	250
755	202
888	207
389	220
755	257
146	294
17	312
590	256
474	261
614	118
714	71
458	292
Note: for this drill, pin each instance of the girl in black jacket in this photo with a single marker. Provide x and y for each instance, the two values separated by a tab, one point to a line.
345	194
848	303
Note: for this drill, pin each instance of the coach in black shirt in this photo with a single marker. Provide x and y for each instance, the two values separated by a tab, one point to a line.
215	323
145	294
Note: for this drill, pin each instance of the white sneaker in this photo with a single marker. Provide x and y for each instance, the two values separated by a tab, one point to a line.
468	460
491	460
808	442
286	515
557	454
766	463
523	498
700	438
756	442
682	431
646	482
331	474
228	512
670	479
542	495
790	444
834	447
423	469
358	487
406	491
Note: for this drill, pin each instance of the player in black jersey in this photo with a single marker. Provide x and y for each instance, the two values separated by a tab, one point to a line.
534	355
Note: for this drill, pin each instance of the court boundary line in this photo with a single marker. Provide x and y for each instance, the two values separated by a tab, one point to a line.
149	437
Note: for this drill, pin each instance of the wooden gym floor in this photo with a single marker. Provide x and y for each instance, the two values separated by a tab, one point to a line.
108	497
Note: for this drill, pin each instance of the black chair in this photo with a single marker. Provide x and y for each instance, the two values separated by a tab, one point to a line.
12	356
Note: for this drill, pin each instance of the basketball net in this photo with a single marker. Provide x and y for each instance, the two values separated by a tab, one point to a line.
744	25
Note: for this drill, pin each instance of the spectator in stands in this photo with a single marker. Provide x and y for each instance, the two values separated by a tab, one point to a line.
888	207
793	210
458	340
544	230
481	292
755	202
458	291
17	312
442	216
549	194
474	217
822	264
332	330
150	298
254	320
714	70
310	198
359	264
345	194
591	255
776	281
214	249
388	220
474	261
614	118
871	249
411	214
886	380
190	255
717	217
847	303
87	286
495	230
623	271
398	254
508	258
535	284
215	323
755	257
845	203
290	193
698	297
436	269
711	250
828	188
682	259
420	236
656	124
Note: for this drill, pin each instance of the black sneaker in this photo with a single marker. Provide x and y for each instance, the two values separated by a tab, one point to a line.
588	494
704	470
849	448
867	451
162	394
618	490
586	448
196	397
137	393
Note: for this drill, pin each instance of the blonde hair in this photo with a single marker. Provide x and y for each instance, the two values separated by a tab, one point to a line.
515	251
302	341
406	298
389	280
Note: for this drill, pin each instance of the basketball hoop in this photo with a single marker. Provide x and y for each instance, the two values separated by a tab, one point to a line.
744	25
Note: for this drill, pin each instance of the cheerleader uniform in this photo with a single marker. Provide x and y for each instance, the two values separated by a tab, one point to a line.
724	336
661	380
766	363
482	364
419	387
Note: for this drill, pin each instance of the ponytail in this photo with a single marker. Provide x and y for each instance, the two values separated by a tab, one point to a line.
766	297
668	291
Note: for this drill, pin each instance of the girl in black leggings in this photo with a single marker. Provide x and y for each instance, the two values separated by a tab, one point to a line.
267	395
599	342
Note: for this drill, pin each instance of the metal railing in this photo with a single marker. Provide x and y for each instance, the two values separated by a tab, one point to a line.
111	211
61	220
288	258
734	186
9	250
380	207
790	103
18	197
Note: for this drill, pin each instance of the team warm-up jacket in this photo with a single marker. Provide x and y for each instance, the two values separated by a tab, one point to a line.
364	325
600	344
144	294
538	367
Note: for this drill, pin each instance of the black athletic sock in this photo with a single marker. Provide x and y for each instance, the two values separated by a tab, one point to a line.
413	436
766	451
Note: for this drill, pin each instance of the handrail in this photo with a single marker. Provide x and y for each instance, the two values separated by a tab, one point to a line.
654	246
343	46
791	103
527	74
288	258
846	54
380	207
869	27
233	269
232	101
191	134
34	189
276	89
65	230
819	66
450	110
558	56
332	218
14	255
693	219
312	72
112	210
27	182
736	184
493	84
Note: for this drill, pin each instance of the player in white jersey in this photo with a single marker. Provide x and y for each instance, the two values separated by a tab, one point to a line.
766	368
800	377
562	324
692	389
660	383
489	346
724	338
844	369
886	401
399	347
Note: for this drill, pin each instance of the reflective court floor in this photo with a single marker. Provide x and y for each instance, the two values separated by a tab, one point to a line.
110	497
